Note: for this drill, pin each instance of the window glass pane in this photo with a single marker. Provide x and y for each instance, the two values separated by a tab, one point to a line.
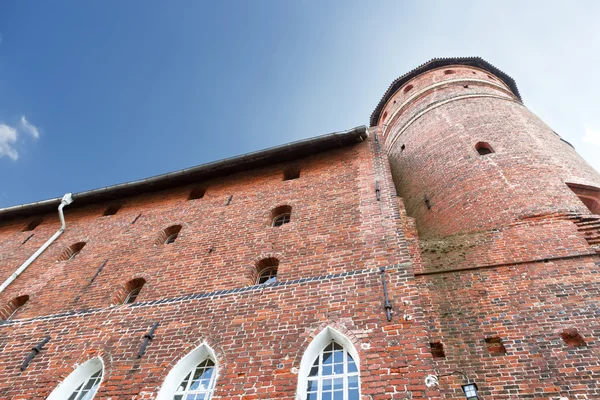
353	394
311	396
327	370
338	384
338	356
351	365
338	369
327	385
327	396
339	395
353	382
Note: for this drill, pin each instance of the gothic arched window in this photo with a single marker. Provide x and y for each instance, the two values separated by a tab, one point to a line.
329	369
333	376
199	383
81	384
193	377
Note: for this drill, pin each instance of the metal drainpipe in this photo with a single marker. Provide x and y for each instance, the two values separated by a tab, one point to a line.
66	200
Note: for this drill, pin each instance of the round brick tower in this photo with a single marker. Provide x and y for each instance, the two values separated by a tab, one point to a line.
466	154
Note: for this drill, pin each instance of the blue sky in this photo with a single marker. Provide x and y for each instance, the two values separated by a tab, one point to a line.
97	93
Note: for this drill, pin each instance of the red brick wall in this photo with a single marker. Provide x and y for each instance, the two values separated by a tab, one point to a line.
526	175
507	250
330	255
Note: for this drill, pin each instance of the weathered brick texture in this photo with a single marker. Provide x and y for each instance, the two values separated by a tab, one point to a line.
491	262
329	275
506	251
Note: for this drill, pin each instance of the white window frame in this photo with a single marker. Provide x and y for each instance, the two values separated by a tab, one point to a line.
314	349
82	373
183	368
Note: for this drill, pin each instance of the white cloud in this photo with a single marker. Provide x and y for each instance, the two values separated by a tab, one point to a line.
592	136
29	127
10	135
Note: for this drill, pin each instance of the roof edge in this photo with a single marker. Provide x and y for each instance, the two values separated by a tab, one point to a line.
437	63
285	152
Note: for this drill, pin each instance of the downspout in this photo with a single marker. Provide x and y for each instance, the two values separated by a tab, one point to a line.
66	200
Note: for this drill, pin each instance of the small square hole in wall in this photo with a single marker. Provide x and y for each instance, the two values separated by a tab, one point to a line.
437	350
495	346
111	210
32	225
197	193
572	338
292	172
483	148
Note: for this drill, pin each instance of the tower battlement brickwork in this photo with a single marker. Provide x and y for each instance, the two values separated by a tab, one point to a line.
457	233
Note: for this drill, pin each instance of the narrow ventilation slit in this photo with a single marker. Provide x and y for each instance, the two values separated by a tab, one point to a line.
437	350
495	346
449	72
292	172
281	215
27	240
111	210
408	88
136	218
197	193
483	148
572	338
32	225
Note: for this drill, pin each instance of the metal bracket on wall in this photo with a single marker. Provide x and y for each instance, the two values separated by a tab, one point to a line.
34	351
388	305
147	338
98	271
229	200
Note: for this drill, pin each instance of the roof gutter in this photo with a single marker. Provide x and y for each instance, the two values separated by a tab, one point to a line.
230	165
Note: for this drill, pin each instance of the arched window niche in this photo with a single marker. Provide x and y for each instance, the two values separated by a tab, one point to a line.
81	384
328	341
201	365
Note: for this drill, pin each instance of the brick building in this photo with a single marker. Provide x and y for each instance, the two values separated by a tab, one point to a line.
456	237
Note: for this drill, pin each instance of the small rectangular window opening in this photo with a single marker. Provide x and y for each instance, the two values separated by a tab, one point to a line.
292	172
437	350
495	346
197	193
